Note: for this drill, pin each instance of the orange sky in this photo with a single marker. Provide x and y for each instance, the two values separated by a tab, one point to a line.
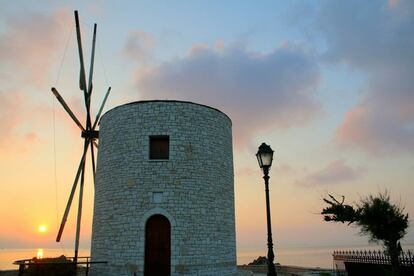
325	109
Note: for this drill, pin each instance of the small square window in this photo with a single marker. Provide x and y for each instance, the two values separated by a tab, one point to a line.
159	147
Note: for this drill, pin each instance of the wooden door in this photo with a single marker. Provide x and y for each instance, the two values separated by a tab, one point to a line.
157	246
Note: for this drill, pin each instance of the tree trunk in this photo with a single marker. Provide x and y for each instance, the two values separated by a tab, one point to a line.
394	252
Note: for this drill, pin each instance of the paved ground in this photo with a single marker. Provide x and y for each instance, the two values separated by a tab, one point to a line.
283	271
9	273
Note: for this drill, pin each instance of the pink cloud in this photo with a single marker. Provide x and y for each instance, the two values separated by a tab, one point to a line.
11	104
31	137
29	44
382	123
139	45
18	122
335	172
352	127
393	3
21	122
377	38
29	47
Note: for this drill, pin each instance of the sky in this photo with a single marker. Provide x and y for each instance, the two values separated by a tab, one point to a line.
328	84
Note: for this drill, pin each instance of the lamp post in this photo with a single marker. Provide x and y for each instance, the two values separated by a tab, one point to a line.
265	157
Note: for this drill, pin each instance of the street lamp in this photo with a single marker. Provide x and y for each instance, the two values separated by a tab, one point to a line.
265	157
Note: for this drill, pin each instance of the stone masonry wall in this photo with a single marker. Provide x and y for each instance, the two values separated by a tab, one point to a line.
194	189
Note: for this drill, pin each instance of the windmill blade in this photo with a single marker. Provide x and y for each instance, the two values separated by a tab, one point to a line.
82	79
66	107
93	161
72	193
95	144
90	86
101	108
78	221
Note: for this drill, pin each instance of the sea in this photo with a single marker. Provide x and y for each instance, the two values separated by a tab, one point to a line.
294	256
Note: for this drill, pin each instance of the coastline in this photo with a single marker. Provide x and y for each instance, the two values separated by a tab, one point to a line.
244	270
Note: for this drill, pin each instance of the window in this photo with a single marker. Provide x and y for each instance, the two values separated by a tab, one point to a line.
159	147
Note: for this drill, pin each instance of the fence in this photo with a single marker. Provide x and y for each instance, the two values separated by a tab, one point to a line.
373	257
369	262
55	266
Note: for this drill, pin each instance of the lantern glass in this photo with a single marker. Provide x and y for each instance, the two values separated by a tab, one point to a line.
264	156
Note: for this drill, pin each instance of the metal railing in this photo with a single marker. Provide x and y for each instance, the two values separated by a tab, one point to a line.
372	257
82	265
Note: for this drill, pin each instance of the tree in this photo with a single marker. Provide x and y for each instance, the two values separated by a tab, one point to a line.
376	217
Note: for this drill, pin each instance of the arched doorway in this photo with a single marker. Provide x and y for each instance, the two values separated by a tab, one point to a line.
157	246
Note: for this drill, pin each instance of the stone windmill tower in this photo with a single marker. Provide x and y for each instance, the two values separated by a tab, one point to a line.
164	192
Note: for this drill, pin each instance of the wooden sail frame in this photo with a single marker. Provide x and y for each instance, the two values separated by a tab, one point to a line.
89	133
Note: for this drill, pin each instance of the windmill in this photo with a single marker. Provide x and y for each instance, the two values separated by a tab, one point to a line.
89	132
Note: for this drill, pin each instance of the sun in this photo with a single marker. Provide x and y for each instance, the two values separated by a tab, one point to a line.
42	228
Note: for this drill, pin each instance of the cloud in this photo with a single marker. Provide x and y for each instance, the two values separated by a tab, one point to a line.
258	91
368	34
9	119
16	116
383	122
29	43
335	172
20	122
139	45
377	38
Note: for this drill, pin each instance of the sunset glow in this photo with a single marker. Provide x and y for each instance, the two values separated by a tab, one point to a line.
39	254
42	228
327	84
